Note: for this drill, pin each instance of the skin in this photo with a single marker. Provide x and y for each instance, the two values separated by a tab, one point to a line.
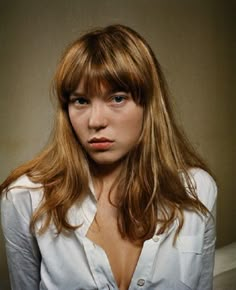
110	115
115	117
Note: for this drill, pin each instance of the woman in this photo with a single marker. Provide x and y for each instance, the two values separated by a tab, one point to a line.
118	199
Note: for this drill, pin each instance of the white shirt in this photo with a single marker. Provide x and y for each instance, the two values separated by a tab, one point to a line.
73	262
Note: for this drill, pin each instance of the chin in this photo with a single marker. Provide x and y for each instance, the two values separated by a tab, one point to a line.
103	159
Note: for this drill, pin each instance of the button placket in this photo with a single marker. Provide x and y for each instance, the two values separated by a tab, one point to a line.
141	277
141	282
99	265
156	238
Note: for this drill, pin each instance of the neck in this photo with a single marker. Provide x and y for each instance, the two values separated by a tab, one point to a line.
105	178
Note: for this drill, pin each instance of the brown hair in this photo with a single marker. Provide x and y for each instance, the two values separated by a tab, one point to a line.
155	184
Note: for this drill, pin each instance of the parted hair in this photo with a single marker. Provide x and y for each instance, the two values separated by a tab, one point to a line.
155	182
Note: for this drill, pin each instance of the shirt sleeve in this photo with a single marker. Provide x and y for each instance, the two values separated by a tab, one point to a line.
22	251
206	279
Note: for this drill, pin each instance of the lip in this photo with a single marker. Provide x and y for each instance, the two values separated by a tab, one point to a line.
101	143
99	140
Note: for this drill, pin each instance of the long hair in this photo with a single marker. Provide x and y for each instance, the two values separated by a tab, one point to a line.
155	183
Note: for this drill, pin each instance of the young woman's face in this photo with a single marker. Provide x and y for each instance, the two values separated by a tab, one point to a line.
107	125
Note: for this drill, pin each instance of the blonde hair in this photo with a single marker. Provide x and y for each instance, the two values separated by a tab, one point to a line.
153	191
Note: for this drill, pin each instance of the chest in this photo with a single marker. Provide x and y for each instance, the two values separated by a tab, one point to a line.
96	257
122	254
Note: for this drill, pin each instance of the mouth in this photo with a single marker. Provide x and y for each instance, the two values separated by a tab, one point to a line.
102	143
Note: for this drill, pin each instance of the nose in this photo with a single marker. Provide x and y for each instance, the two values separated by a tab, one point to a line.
97	118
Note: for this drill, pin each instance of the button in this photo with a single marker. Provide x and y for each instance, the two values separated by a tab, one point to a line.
155	238
141	282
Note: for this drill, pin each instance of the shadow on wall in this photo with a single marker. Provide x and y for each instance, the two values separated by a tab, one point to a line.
4	285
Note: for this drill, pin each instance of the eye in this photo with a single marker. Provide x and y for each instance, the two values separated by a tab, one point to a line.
80	101
119	98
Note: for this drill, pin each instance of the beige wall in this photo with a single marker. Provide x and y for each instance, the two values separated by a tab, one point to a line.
192	39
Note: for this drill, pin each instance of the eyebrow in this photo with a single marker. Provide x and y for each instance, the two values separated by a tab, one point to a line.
108	92
78	94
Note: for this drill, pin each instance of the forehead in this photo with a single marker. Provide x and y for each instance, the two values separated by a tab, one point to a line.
96	88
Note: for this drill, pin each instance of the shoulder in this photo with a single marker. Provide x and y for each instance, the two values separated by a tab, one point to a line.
22	196
206	187
23	182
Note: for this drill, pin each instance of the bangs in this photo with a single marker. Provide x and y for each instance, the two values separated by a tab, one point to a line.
98	63
96	76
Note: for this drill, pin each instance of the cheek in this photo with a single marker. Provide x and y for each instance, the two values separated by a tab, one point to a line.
70	115
133	126
138	120
72	120
138	128
75	123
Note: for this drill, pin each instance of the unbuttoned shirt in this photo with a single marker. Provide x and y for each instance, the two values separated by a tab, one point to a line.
73	262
